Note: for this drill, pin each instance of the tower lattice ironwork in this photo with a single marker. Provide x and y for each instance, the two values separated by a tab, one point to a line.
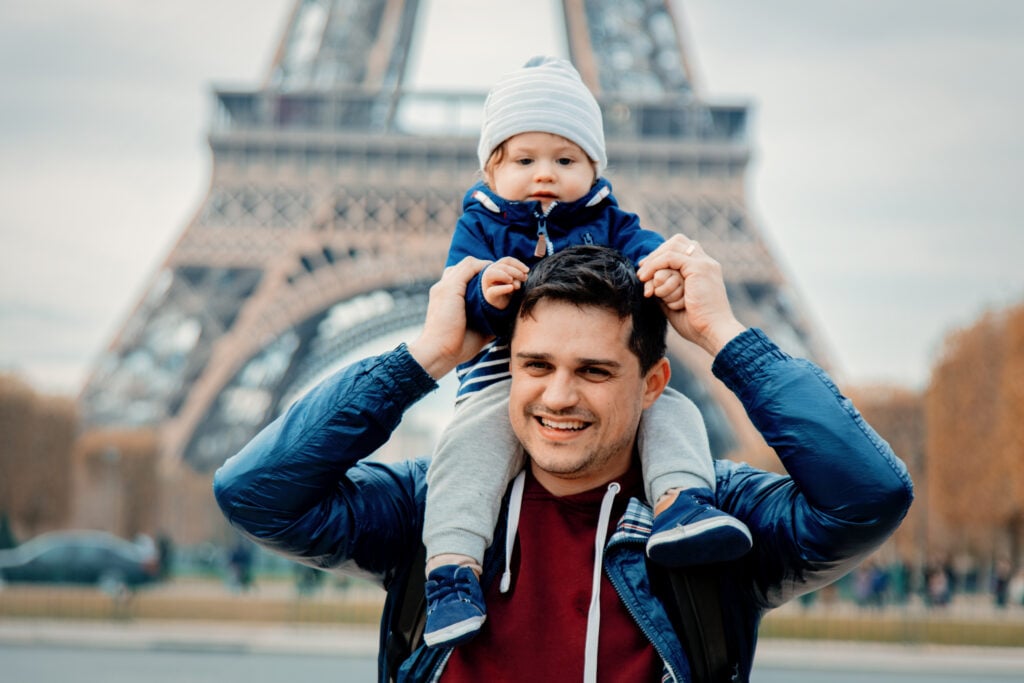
334	191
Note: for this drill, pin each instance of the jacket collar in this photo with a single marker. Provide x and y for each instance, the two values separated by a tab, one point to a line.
481	198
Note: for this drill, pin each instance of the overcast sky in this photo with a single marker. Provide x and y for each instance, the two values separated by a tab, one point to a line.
887	174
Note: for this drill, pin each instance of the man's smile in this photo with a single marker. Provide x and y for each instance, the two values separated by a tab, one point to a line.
566	425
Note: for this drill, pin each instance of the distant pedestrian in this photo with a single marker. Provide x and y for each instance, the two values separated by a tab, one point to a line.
1015	591
165	553
240	566
938	586
1001	575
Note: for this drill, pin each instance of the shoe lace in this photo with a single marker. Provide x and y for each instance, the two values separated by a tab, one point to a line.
457	583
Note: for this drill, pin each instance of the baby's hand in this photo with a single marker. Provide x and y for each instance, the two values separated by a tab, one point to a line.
667	285
501	279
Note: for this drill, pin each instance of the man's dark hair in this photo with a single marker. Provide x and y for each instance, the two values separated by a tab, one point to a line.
603	278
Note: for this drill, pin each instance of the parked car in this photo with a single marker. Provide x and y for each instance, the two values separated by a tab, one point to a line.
82	557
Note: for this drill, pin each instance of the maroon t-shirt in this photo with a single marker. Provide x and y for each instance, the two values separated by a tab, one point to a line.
537	631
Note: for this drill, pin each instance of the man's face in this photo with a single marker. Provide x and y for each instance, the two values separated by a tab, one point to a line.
577	394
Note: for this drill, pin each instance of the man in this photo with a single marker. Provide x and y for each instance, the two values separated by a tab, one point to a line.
576	594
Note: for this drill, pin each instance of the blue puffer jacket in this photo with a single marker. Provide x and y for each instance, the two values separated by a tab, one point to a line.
301	488
492	227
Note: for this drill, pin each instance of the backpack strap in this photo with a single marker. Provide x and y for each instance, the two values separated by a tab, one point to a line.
412	616
702	628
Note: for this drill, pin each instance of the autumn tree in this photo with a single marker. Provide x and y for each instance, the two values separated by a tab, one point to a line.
975	444
897	414
16	403
1010	438
37	433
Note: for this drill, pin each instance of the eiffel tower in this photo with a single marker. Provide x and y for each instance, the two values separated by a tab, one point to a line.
333	195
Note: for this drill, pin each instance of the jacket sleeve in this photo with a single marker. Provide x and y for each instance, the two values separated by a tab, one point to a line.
470	239
845	493
301	487
629	238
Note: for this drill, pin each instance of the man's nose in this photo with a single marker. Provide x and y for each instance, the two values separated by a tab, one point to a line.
560	391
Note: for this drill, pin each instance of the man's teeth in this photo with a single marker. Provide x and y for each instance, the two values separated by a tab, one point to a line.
566	424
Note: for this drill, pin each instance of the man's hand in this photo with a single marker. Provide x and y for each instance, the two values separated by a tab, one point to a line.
704	316
445	342
501	279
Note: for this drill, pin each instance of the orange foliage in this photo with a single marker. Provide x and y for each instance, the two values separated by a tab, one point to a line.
36	437
897	414
975	433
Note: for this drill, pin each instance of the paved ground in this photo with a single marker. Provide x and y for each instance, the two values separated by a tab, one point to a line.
193	635
362	641
250	634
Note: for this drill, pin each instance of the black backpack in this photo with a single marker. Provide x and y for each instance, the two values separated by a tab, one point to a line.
698	620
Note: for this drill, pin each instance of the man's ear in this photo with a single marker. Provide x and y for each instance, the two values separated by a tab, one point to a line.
655	381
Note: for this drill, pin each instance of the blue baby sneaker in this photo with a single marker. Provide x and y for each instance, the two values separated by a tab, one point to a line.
455	606
691	531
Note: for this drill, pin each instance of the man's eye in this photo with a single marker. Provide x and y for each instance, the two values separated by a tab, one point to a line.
595	372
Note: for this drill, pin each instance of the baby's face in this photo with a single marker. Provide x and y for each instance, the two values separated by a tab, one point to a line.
541	167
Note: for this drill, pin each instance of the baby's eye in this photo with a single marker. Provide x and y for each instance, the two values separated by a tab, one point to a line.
566	161
524	162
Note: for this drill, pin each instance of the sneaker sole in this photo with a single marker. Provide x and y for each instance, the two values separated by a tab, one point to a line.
456	633
733	528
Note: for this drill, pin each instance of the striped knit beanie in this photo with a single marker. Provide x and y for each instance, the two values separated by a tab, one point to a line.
547	95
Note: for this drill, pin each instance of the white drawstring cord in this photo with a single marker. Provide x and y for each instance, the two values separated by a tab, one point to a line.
515	504
594	616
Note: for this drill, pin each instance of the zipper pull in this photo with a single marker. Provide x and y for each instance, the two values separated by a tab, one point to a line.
543	245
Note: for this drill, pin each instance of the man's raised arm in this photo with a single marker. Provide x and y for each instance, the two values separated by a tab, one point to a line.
300	487
847	490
